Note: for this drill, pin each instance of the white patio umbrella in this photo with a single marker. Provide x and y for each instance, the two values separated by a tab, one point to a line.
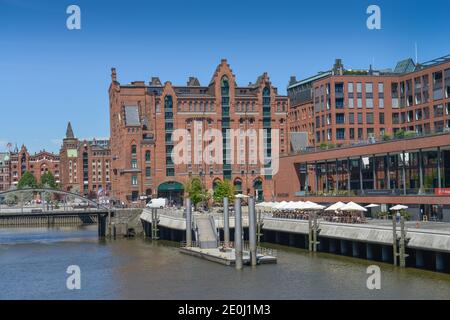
312	206
398	207
299	205
279	205
351	206
240	195
261	204
372	205
270	205
335	207
289	206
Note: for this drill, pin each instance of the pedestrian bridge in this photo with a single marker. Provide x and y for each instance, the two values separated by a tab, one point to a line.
50	215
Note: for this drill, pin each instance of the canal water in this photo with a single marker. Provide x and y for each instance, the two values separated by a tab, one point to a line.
33	264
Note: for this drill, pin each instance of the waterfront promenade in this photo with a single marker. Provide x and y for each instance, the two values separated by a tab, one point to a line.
426	244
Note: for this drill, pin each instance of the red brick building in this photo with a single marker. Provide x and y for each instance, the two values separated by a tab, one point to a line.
343	107
144	116
37	164
371	136
85	165
4	171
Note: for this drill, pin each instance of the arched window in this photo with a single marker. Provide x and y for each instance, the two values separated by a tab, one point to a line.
147	156
216	184
225	86
168	102
238	185
258	187
133	150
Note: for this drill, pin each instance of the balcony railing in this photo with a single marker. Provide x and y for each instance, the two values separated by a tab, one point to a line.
375	192
374	140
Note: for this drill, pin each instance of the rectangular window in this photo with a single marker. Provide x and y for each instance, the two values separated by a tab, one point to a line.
359	102
351	103
438	110
340	134
351	118
352	133
134	180
394	94
340	118
369	118
359	87
350	87
134	164
148	172
360	118
339	88
381	117
360	133
437	85
439	126
419	114
339	103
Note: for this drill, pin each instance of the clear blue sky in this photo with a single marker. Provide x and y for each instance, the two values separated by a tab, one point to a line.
50	75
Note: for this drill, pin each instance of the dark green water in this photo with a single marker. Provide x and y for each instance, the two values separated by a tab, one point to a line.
33	265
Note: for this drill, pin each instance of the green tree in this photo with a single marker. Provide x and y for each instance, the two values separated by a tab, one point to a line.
400	134
11	198
197	191
224	189
48	181
27	181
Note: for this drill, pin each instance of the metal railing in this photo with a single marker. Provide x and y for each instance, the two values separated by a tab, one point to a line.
374	140
245	246
370	192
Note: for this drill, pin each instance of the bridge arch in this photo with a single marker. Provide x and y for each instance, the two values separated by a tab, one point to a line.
55	191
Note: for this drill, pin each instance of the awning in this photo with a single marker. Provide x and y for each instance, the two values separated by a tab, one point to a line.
170	186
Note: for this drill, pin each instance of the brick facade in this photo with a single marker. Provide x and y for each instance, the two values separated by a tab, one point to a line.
343	107
38	163
4	171
144	116
85	165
